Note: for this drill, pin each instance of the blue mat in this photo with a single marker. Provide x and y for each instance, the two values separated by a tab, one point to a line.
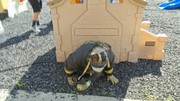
174	4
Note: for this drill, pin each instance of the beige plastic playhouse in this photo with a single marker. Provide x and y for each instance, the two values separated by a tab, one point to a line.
3	5
118	23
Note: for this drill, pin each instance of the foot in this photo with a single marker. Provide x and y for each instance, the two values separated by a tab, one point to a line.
35	29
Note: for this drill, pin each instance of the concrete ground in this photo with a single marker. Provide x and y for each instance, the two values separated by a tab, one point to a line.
41	96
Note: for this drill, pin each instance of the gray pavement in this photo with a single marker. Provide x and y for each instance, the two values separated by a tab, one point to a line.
41	96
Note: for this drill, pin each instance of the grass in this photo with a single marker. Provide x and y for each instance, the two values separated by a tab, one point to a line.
170	98
21	85
150	97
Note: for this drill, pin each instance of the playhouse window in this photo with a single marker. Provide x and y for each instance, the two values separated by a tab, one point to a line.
76	1
150	43
116	1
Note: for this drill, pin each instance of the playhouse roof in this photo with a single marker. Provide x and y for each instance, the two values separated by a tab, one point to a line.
137	2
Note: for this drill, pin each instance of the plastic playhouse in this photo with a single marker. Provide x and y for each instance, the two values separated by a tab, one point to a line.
118	23
3	5
13	7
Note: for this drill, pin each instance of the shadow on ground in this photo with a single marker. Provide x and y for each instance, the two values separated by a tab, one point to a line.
46	75
4	15
26	35
16	39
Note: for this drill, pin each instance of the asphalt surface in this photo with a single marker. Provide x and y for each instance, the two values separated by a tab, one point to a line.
27	60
